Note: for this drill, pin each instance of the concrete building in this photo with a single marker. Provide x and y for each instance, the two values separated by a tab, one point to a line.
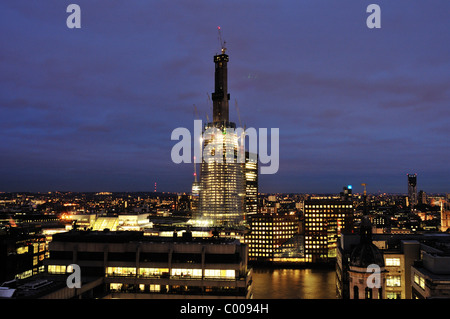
401	253
130	265
430	277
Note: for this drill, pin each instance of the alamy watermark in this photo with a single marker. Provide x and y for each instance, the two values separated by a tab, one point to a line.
374	279
234	140
74	279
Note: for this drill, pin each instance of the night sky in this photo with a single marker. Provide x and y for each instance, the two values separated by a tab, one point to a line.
92	109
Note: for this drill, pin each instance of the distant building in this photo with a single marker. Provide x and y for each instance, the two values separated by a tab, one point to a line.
275	238
363	256
431	276
422	198
130	265
346	193
22	254
324	221
401	254
196	187
412	189
251	185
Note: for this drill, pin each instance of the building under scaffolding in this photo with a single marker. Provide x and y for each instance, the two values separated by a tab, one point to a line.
222	179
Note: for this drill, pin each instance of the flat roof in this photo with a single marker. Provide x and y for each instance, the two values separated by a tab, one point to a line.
133	236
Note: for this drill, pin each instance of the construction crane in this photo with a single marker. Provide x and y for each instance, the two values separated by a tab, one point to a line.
210	104
195	112
222	43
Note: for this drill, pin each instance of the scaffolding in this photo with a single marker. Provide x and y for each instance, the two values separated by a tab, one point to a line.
222	179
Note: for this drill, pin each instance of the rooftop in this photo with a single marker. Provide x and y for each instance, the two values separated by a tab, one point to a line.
134	236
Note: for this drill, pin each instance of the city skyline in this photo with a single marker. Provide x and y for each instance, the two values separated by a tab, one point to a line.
92	109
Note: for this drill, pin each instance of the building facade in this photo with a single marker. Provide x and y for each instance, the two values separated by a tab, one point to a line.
412	189
274	238
222	179
324	221
251	185
140	267
403	256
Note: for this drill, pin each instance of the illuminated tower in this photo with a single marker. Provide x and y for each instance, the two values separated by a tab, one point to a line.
222	178
251	185
196	186
412	189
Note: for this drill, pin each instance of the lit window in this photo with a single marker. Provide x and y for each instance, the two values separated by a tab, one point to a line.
56	269
393	281
121	271
419	280
392	261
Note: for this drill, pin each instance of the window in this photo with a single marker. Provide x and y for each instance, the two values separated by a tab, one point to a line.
186	272
56	269
393	295
393	281
22	250
392	261
115	287
152	272
368	293
155	288
121	271
220	273
419	280
355	292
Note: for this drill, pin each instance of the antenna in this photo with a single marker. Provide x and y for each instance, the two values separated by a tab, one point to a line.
222	43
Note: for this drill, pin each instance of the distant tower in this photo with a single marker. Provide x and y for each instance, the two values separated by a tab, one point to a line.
222	182
196	186
251	185
412	189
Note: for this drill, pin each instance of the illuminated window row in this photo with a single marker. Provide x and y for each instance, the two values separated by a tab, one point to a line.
392	261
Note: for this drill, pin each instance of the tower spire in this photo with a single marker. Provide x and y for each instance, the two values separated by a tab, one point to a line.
221	96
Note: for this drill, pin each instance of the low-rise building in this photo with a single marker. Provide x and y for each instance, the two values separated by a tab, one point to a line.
132	265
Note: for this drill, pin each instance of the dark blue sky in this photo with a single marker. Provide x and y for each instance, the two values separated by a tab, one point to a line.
93	109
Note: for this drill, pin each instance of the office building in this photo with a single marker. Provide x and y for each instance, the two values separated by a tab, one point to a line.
251	185
412	189
130	265
22	253
401	254
274	238
430	277
222	179
324	221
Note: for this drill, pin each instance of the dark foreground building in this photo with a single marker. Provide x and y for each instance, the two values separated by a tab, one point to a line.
130	265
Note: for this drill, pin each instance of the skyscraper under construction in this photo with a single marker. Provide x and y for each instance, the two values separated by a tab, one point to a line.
222	178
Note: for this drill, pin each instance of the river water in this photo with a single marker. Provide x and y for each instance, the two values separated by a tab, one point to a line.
294	283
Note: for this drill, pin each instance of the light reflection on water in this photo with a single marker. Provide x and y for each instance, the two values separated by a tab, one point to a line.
294	283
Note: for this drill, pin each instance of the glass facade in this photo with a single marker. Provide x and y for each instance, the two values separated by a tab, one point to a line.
222	191
324	222
271	236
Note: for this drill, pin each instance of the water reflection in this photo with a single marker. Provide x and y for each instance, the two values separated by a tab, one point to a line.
294	283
